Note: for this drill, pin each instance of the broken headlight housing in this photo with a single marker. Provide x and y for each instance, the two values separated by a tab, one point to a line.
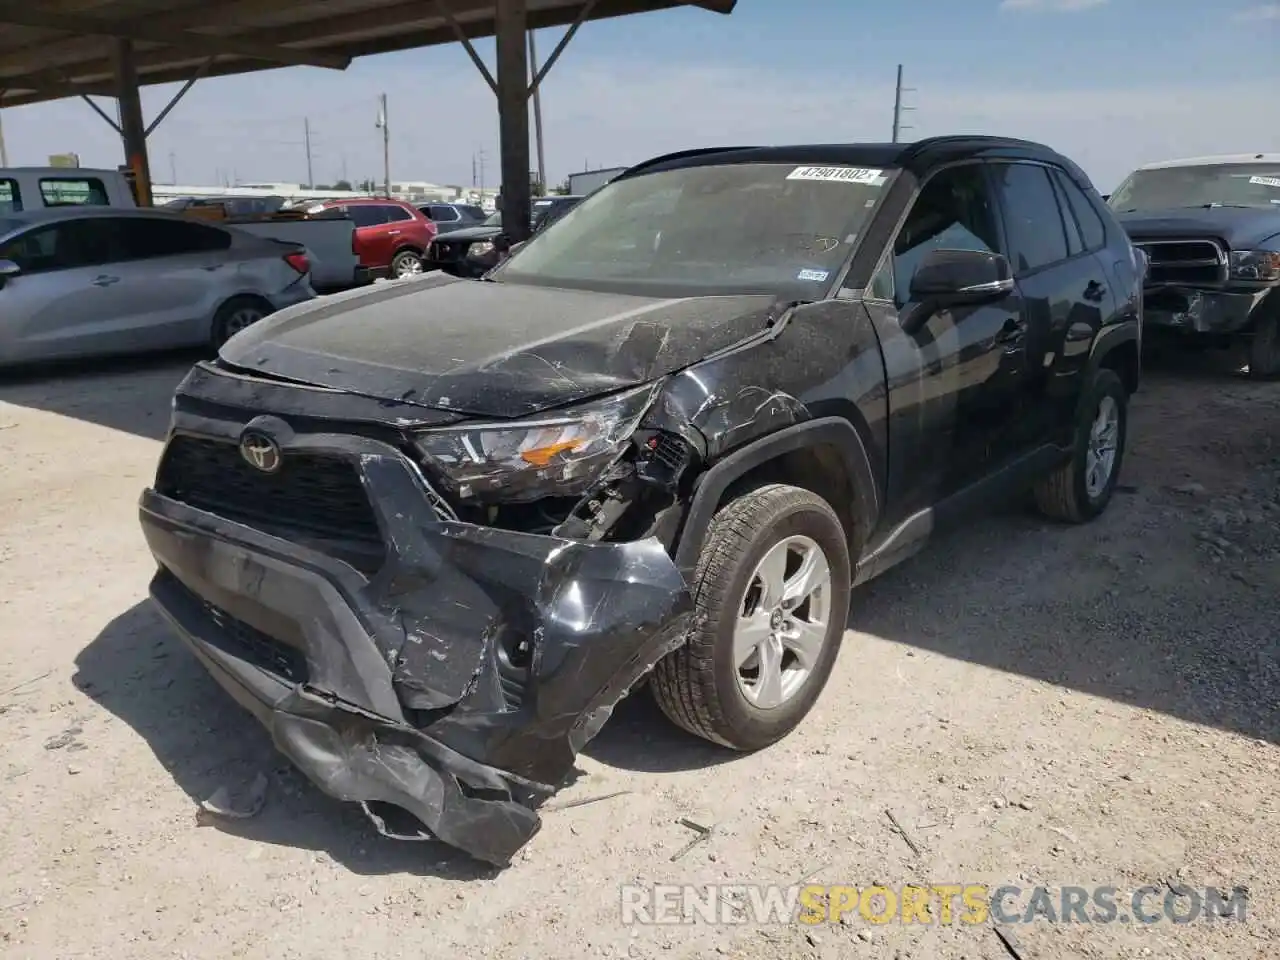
558	454
1255	264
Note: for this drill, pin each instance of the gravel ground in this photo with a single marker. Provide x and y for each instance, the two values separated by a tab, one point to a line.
1035	705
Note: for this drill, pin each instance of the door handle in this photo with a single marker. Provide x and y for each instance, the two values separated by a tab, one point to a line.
105	281
1095	291
393	233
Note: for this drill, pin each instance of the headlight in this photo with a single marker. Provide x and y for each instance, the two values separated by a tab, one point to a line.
555	455
1255	264
480	249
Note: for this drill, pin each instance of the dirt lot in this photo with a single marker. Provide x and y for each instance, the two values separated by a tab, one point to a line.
1035	705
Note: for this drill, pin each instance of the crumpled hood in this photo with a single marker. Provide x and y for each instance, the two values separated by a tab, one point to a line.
491	349
1241	228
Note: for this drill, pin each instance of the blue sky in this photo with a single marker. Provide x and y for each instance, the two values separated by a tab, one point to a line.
1113	83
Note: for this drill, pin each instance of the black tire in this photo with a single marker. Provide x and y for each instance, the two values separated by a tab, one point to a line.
1064	494
234	315
697	686
1264	351
401	264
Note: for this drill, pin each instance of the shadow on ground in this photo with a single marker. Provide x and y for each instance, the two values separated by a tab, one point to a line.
139	671
132	395
142	673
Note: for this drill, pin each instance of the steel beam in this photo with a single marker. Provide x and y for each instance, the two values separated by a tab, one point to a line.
132	128
510	24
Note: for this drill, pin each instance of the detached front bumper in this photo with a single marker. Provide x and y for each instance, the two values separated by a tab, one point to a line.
1200	311
456	677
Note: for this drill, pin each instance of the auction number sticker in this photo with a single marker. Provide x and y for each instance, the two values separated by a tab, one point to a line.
1266	181
862	175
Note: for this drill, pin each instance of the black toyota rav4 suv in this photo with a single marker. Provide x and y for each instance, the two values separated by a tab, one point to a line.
431	533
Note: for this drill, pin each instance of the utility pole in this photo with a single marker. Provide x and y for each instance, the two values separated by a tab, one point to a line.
480	158
898	108
386	145
537	113
4	151
306	140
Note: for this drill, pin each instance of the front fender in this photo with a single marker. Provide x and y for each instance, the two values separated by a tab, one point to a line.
835	432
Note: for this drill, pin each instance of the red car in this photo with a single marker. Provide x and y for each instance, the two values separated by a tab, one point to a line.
391	236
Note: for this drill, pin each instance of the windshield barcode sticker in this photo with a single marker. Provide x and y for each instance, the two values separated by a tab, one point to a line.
862	175
1266	181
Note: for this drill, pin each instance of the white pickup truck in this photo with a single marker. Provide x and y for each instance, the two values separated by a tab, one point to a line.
330	240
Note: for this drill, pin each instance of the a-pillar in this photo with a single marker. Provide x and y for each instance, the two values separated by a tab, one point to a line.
133	130
511	20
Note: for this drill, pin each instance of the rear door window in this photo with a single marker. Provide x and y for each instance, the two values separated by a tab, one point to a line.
1090	222
73	192
1075	243
1033	222
367	214
10	196
443	213
395	214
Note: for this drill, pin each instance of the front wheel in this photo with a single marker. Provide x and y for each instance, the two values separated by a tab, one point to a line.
1081	488
771	598
406	263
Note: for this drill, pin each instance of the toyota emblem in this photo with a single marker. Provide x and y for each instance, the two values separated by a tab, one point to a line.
260	451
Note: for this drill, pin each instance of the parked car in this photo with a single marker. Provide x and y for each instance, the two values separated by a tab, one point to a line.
1210	227
453	216
473	251
92	281
666	438
391	236
328	240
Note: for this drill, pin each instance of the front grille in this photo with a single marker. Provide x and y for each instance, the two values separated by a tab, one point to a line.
444	252
312	497
1189	262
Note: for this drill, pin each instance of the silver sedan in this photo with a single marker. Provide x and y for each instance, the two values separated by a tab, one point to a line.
80	282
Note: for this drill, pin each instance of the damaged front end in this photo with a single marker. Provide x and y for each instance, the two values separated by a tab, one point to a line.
446	648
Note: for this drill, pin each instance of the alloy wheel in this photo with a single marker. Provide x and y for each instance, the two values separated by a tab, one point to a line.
782	622
1104	439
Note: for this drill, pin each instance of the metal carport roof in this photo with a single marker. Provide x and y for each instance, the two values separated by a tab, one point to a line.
63	48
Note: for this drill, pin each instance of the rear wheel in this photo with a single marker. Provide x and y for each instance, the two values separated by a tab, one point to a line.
1081	488
1264	351
771	596
236	315
406	263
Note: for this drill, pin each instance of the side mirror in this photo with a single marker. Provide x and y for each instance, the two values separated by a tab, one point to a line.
955	277
8	270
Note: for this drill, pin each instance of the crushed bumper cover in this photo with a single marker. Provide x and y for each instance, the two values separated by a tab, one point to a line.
1197	311
458	682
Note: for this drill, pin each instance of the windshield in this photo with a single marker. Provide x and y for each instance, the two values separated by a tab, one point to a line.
732	228
1230	184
